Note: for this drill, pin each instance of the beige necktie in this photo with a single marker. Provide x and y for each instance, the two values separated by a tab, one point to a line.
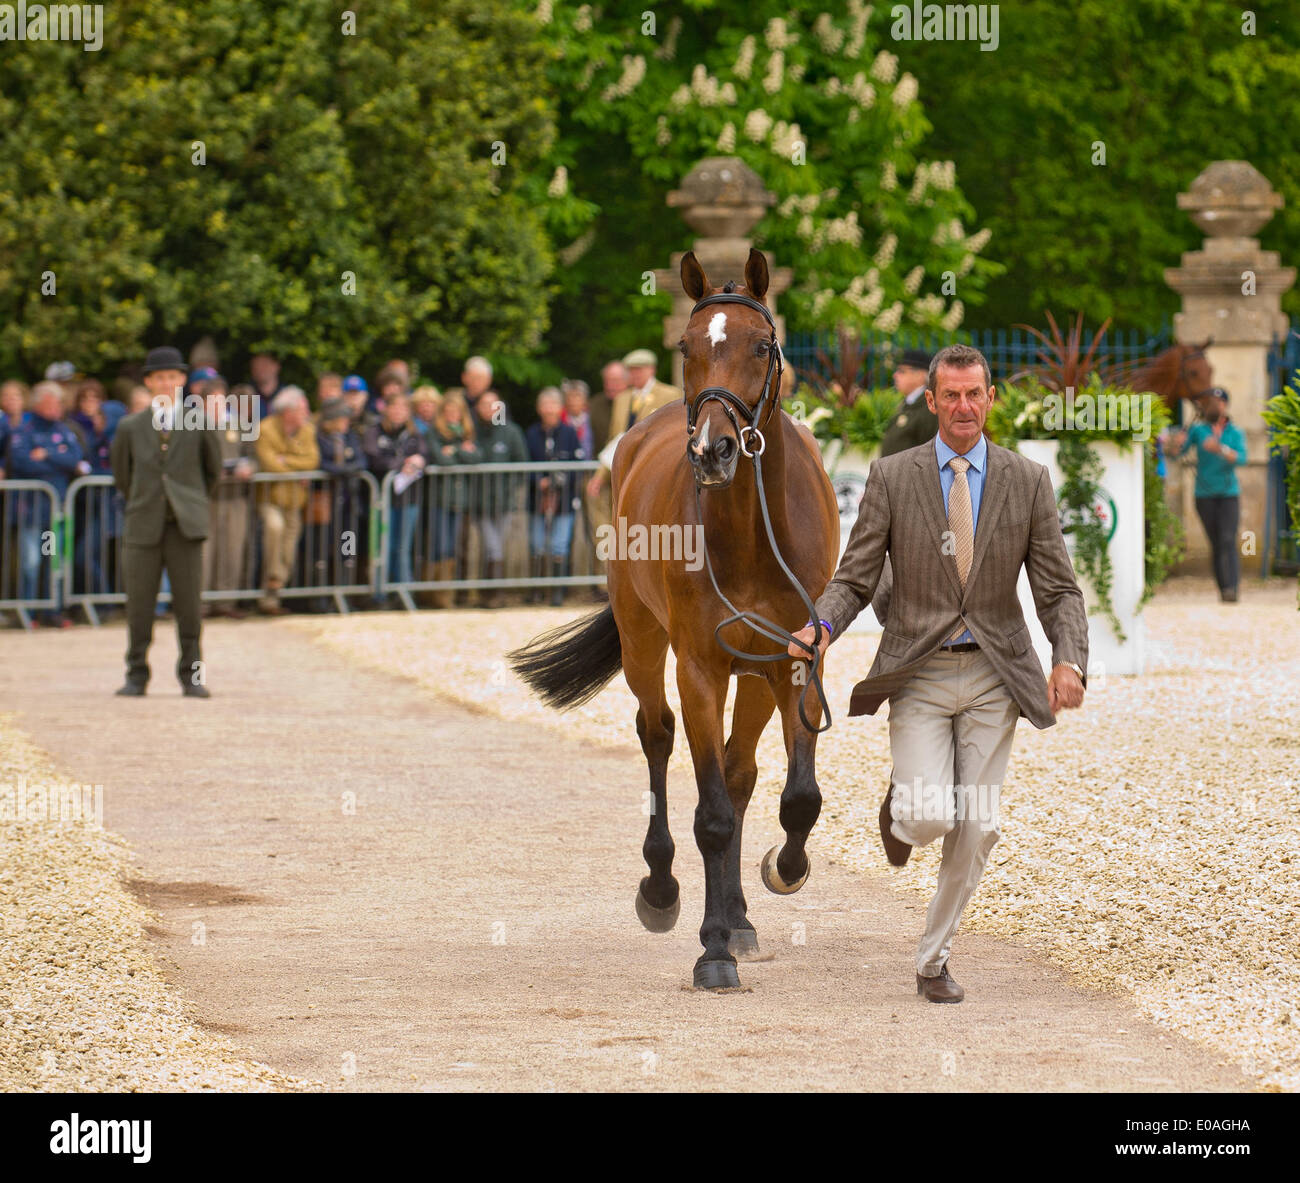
959	522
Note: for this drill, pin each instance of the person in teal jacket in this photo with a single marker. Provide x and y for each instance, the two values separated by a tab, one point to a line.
1220	450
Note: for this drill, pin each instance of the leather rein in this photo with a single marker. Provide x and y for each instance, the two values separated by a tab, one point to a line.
752	444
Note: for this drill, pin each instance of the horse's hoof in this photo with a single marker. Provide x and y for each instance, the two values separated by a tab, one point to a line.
772	877
743	943
657	919
716	975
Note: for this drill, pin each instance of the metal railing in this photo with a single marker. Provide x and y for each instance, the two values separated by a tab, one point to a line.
450	530
31	548
481	527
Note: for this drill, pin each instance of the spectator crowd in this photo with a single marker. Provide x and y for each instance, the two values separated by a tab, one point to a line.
282	533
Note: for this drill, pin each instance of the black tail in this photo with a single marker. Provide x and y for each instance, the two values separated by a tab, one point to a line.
571	664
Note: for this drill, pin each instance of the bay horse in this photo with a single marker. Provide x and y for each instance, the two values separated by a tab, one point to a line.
1179	372
769	531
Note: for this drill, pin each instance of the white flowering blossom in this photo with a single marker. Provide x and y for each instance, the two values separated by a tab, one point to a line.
668	50
888	176
905	91
582	18
745	59
727	140
705	87
862	92
778	36
967	262
828	34
919	181
757	124
629	80
681	98
943	174
845	229
577	248
889	320
912	280
859	15
926	309
785	137
833	86
978	241
663	137
820	300
559	185
805	227
885	67
543	13
953	319
885	252
797	71
775	75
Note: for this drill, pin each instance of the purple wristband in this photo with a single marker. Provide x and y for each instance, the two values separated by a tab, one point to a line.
825	623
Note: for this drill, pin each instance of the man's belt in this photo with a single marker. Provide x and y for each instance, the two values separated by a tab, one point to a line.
964	647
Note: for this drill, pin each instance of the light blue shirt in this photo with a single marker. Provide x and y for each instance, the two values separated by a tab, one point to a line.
978	457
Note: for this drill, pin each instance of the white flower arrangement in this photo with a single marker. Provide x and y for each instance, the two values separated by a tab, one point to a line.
885	67
745	59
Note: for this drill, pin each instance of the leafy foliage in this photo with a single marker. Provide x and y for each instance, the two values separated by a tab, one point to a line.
1282	414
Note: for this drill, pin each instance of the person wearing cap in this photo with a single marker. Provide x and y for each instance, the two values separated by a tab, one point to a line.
225	565
913	422
166	471
357	395
1220	450
68	377
97	512
647	393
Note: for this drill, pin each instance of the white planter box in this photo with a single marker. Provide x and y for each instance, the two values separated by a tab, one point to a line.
1122	490
848	468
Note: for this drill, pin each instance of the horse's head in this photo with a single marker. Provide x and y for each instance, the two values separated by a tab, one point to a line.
1195	378
732	373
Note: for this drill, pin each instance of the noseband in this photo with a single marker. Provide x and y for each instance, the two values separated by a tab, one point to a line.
732	403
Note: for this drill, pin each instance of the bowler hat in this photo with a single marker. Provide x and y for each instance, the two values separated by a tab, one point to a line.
165	357
917	359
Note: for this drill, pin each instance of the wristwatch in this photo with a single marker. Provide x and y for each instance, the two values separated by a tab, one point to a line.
1075	668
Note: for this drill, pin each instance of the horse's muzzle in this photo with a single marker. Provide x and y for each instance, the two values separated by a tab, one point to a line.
715	463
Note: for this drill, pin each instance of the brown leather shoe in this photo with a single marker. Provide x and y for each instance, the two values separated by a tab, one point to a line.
939	989
896	850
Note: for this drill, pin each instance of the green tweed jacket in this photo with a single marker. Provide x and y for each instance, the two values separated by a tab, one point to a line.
152	475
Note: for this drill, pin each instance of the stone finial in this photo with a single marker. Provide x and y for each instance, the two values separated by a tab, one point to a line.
1230	199
722	197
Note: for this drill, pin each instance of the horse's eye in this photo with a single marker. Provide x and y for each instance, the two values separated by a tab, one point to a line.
761	348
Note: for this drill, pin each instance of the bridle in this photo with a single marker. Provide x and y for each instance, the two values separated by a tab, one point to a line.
733	405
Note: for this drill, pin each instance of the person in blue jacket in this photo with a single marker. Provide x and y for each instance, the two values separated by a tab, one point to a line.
98	508
1220	450
45	448
552	496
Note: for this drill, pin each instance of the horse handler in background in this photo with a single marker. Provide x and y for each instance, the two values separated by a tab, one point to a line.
166	470
958	517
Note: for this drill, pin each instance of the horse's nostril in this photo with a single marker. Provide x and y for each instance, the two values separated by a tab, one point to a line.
724	449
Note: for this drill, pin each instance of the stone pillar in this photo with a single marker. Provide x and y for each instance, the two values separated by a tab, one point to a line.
1231	292
721	199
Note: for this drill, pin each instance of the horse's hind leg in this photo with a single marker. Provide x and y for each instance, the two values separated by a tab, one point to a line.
657	899
786	870
753	709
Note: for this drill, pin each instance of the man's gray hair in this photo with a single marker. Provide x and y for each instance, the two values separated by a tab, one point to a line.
42	388
958	357
479	363
550	392
290	396
569	385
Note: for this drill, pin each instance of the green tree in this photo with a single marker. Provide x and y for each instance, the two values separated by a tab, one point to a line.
264	174
876	229
1166	85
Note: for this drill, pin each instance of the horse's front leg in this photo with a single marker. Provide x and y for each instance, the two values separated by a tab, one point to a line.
786	870
703	691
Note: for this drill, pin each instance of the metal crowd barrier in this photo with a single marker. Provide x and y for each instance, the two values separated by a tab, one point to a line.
451	529
338	528
488	521
32	533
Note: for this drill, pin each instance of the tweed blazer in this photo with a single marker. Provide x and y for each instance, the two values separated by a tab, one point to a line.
902	516
150	477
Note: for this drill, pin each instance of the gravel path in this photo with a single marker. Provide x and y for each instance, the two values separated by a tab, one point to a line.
363	883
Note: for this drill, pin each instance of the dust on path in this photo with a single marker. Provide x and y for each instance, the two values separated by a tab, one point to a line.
469	924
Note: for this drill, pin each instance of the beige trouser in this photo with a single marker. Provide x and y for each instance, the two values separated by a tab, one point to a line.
280	530
600	512
950	734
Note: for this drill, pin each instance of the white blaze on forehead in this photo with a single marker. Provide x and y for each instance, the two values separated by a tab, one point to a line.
718	327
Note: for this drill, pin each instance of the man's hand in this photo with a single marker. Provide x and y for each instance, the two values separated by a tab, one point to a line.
1210	444
806	634
1064	689
595	485
38	454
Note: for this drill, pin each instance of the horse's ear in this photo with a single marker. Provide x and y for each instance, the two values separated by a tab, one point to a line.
756	278
694	282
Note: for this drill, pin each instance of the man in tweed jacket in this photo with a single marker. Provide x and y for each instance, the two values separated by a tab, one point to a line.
958	517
